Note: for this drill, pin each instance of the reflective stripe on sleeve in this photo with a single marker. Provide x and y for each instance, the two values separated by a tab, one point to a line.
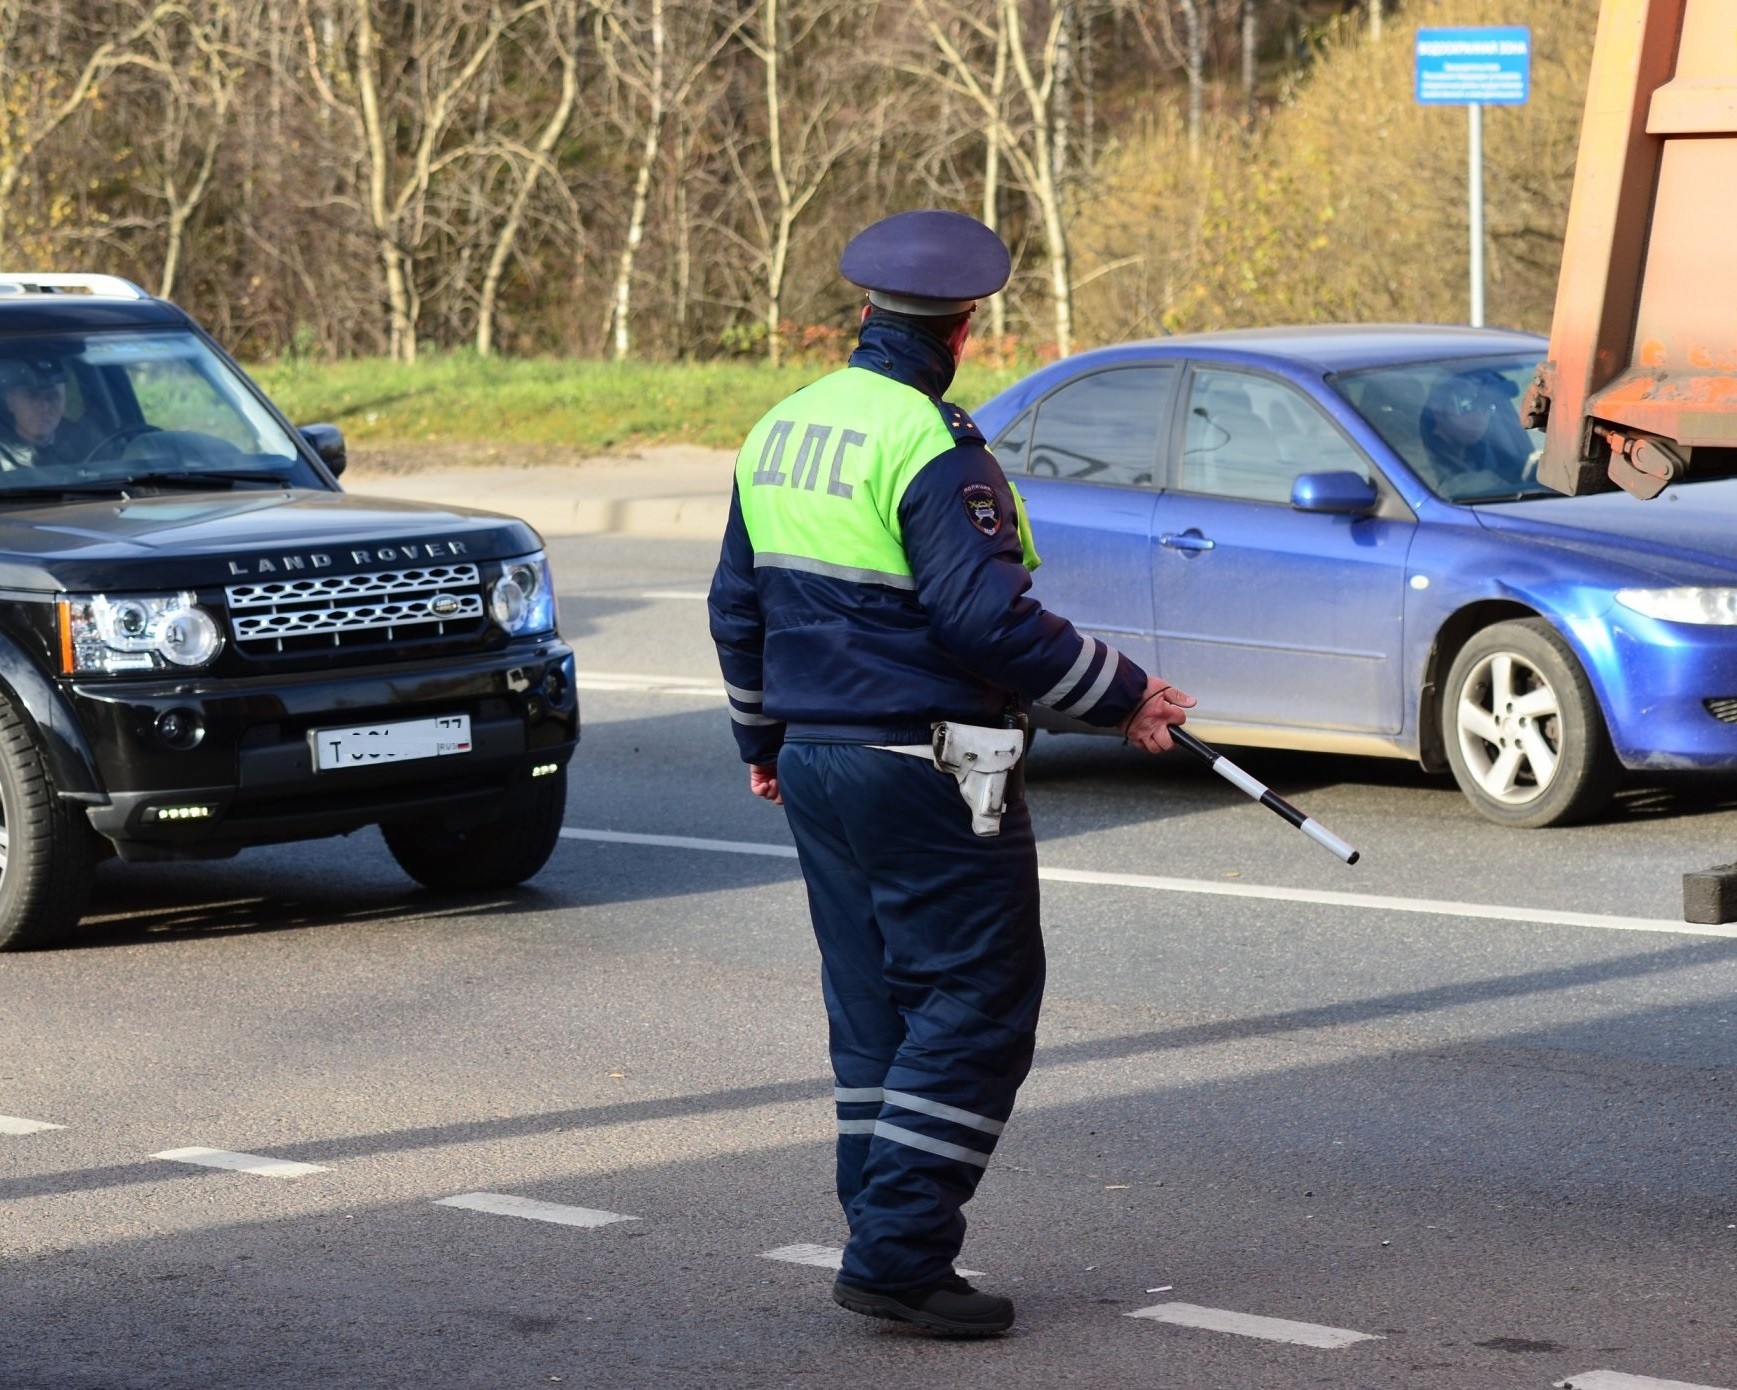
742	716
747	697
911	1139
1081	665
1084	705
856	1126
905	1101
807	565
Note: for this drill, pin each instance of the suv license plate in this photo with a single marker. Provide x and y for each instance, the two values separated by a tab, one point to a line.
398	742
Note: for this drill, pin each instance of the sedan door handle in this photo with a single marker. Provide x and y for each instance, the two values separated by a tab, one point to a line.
1190	540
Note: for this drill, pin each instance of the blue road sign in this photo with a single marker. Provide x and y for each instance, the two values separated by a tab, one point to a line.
1474	67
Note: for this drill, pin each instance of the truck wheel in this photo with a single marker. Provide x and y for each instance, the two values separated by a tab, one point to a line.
47	849
496	855
1523	730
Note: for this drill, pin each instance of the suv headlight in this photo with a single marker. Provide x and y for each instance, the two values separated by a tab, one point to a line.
136	632
522	596
1715	607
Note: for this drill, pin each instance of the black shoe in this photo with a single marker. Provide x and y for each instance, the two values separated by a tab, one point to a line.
951	1306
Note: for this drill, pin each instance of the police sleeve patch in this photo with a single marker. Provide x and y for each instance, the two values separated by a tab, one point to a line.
982	508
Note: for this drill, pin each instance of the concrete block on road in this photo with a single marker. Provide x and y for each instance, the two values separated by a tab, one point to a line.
1710	896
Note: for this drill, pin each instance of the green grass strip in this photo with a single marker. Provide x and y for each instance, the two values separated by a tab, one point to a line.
593	407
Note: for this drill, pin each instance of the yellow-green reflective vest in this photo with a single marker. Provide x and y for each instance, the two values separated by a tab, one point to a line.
821	476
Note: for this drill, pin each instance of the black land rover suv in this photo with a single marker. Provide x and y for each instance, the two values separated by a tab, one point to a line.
205	644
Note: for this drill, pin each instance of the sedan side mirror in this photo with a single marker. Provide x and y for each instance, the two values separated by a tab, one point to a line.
1341	492
328	442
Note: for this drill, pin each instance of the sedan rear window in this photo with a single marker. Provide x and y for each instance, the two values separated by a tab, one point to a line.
1101	428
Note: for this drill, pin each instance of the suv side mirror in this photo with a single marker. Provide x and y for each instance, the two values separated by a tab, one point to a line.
328	442
1341	492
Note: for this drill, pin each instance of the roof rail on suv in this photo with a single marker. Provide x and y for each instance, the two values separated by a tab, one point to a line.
98	286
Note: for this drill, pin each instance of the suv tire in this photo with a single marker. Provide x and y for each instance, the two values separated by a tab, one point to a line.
1524	734
499	854
47	848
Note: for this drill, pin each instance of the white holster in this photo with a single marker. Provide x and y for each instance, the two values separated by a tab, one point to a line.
980	759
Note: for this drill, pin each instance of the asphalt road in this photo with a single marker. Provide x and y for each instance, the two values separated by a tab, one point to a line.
1460	1116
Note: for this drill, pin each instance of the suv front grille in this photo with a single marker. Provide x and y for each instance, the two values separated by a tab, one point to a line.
355	610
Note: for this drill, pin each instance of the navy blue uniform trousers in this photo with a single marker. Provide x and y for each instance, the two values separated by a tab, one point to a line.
932	967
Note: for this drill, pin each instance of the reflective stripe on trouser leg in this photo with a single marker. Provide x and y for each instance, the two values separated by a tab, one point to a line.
932	968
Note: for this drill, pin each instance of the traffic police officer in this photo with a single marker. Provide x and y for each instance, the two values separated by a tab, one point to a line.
877	639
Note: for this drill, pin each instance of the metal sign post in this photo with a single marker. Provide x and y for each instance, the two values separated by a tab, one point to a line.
1474	68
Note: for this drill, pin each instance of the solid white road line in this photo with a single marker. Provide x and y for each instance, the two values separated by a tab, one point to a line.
618	837
1438	907
1303	1334
1616	1380
11	1124
828	1257
653	685
699	594
505	1204
241	1163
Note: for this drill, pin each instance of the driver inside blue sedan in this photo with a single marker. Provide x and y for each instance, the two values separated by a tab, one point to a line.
1472	437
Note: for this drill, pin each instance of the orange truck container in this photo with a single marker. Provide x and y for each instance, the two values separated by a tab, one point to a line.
1640	386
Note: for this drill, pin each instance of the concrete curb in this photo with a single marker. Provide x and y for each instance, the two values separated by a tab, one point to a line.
681	497
670	518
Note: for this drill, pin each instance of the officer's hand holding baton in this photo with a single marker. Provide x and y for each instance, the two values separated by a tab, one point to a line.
1161	706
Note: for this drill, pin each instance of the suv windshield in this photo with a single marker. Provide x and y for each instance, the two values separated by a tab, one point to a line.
1457	424
98	412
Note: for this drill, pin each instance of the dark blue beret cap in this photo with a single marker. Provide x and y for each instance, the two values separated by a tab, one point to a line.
928	254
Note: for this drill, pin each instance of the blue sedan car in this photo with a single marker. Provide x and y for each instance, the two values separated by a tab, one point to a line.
1335	538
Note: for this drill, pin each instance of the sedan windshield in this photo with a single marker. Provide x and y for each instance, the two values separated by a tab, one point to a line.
1457	423
134	411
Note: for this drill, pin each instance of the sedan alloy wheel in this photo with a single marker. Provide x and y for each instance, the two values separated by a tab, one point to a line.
1524	735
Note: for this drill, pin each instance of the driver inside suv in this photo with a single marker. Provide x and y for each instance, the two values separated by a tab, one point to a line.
32	408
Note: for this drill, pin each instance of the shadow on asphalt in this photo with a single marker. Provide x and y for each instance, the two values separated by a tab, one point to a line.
1408	1003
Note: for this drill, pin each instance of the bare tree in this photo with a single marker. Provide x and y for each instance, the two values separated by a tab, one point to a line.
562	19
449	46
1194	66
1030	145
196	61
642	63
805	137
41	92
1250	52
992	168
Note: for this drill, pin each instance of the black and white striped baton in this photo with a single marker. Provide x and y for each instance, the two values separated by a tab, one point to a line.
1233	774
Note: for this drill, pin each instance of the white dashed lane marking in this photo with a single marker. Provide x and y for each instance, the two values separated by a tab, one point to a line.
256	1164
1436	907
1616	1380
505	1204
1303	1334
11	1124
830	1257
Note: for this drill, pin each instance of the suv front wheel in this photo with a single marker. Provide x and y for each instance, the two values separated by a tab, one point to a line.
499	854
47	849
